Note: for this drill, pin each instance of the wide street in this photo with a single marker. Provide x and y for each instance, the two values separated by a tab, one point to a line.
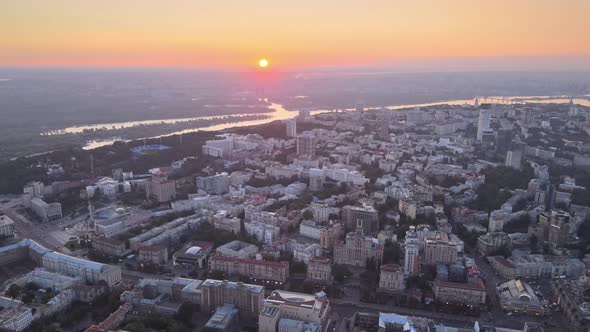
30	229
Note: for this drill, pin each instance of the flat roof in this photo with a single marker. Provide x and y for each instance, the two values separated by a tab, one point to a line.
231	284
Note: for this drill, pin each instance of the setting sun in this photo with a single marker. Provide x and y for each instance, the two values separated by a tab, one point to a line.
262	63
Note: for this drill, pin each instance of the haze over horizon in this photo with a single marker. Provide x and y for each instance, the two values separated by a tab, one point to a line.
229	34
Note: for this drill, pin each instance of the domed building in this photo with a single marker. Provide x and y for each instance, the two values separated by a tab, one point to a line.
517	296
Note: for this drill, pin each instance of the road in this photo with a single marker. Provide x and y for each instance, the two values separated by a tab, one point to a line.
498	316
30	229
346	309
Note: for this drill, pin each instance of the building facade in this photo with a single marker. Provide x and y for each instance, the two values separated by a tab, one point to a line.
392	278
357	249
247	298
319	269
314	308
251	268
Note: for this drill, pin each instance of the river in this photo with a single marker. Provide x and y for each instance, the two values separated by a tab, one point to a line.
280	113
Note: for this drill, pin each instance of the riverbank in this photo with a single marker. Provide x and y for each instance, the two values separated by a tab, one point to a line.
98	135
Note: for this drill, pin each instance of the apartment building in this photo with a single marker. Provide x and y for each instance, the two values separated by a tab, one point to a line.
215	185
439	249
472	292
392	278
246	297
154	254
160	188
319	269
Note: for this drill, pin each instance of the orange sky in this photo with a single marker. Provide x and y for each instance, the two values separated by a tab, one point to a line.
235	33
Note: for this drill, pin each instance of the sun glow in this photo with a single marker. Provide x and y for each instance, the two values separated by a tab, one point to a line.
262	63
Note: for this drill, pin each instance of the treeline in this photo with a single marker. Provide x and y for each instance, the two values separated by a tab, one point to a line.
76	162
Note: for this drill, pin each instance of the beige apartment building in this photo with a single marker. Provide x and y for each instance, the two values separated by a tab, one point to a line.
319	269
248	298
392	278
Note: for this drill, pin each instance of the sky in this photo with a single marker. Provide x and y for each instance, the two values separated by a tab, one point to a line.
293	34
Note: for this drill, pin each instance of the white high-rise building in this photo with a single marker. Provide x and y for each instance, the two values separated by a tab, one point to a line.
411	259
291	128
215	184
483	123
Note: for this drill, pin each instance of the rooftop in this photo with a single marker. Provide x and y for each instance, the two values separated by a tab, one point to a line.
235	285
222	317
463	285
5	220
284	264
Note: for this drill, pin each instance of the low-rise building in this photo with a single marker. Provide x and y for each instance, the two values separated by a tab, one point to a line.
163	296
472	292
258	270
537	266
518	297
394	322
161	235
238	249
224	319
14	315
46	211
193	255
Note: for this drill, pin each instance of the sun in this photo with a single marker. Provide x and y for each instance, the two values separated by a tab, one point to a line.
263	63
